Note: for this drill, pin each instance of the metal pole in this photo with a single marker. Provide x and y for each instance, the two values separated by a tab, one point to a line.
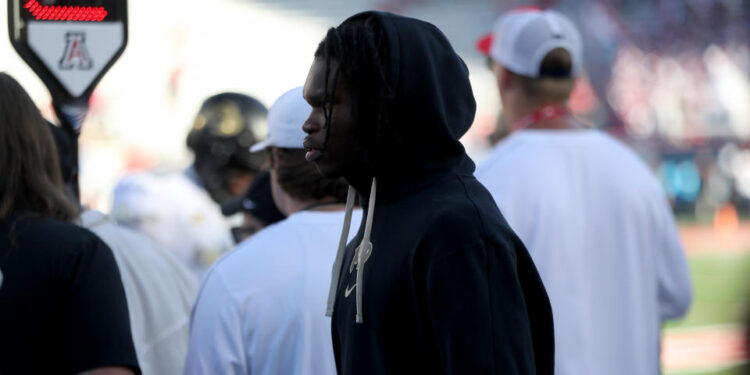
71	113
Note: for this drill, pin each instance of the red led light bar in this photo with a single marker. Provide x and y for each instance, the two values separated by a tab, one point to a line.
65	13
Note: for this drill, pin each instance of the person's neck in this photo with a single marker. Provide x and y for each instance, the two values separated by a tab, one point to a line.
527	108
325	204
361	182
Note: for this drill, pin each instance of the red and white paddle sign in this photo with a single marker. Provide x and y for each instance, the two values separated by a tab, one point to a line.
72	43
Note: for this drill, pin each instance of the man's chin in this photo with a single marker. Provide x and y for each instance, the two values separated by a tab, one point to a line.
327	170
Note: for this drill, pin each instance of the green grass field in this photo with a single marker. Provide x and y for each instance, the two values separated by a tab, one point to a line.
728	371
721	286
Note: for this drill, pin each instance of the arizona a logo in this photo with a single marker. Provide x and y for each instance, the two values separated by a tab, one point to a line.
76	55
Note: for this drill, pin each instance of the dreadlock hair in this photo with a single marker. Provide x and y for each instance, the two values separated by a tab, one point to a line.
359	47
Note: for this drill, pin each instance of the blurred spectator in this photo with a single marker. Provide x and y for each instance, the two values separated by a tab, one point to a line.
224	129
159	289
261	309
593	216
672	77
62	305
181	211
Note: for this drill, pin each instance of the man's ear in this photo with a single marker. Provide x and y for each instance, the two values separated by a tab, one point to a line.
502	76
273	157
505	78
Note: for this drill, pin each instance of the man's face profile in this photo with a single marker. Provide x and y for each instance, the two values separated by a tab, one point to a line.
342	150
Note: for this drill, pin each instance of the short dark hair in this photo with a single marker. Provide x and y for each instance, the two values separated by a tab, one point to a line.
359	46
555	81
302	180
28	158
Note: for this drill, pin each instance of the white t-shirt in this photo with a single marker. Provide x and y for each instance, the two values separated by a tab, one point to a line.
177	213
261	309
604	240
160	292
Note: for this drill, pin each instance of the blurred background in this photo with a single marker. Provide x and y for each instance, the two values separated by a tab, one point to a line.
669	77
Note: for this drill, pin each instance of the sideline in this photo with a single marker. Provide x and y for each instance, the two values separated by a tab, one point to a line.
705	239
689	350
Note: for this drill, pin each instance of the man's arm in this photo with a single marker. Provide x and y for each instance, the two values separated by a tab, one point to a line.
673	275
475	303
216	334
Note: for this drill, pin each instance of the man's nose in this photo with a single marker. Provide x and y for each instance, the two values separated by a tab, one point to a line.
310	126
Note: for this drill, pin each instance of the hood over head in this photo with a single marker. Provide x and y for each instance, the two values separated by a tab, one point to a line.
429	105
423	104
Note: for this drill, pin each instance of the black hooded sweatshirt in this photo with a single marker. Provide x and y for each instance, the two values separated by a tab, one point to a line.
448	287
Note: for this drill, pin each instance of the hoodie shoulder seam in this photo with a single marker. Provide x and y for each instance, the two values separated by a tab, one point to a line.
474	205
482	243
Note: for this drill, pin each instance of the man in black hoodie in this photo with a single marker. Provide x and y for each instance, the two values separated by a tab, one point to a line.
434	281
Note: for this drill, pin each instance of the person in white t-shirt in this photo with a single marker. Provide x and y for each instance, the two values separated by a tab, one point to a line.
160	292
181	211
261	308
594	218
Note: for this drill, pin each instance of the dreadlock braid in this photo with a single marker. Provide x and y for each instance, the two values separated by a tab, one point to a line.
358	46
331	45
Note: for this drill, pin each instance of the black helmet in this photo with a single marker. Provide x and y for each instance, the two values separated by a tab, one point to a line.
223	131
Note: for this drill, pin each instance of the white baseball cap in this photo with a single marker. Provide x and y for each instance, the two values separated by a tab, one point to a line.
522	37
285	120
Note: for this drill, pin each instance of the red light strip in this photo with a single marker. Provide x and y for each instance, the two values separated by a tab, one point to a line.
65	13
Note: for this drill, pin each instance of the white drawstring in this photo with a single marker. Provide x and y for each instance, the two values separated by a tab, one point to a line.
336	273
361	254
364	250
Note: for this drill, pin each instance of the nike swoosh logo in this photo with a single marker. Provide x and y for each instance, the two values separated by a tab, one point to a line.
348	290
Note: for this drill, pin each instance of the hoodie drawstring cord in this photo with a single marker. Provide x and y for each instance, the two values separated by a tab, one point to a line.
336	273
365	249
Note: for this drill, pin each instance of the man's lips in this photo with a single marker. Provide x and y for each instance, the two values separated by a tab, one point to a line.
312	150
313	155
